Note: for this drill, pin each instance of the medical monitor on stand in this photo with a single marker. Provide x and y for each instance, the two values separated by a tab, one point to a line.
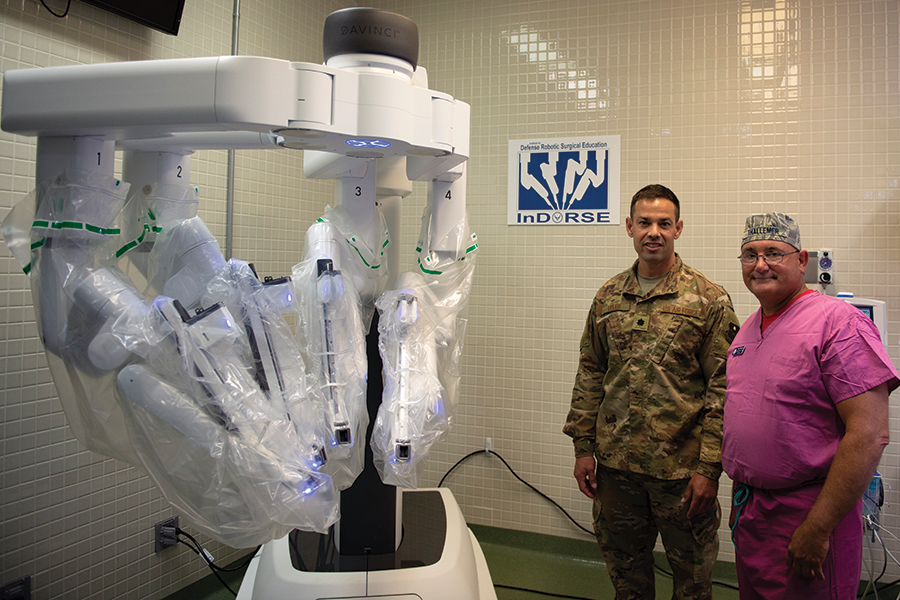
874	309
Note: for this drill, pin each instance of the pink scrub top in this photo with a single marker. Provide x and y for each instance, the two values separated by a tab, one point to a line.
782	427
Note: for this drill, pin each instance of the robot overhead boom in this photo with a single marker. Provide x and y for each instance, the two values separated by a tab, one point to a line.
372	107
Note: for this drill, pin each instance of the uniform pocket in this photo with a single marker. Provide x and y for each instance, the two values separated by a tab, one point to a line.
664	327
677	344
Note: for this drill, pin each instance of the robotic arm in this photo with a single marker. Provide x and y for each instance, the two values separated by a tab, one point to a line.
330	289
201	387
331	334
421	335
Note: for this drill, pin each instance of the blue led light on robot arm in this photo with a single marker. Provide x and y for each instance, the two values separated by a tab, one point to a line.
367	143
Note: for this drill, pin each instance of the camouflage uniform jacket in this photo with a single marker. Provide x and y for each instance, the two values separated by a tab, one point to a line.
650	387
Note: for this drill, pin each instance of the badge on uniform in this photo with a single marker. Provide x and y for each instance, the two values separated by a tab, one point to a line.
738	351
641	323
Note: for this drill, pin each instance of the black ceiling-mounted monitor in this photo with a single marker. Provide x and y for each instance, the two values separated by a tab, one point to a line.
162	15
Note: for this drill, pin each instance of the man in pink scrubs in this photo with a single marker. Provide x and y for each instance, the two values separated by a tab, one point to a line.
806	420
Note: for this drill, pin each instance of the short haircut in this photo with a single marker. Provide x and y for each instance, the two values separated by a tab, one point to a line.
654	191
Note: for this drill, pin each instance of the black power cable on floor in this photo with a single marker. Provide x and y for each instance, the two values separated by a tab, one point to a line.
516	475
546	497
549	594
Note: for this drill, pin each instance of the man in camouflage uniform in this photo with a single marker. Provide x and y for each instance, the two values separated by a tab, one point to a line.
646	412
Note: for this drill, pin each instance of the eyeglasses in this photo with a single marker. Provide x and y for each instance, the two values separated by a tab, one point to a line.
771	258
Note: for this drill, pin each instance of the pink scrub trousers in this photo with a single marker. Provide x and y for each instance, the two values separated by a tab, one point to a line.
762	534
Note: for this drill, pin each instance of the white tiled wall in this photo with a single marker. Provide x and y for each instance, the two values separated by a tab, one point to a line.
738	106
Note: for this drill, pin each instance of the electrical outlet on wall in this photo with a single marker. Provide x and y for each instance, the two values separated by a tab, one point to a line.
20	589
164	534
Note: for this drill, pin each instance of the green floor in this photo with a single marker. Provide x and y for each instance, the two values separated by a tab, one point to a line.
524	566
564	568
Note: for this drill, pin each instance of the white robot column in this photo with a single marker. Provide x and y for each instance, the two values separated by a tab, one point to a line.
82	153
367	557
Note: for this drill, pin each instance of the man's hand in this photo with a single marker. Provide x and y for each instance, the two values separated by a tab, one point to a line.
807	551
586	475
701	494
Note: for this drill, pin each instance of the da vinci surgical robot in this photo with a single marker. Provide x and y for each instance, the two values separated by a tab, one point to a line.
182	363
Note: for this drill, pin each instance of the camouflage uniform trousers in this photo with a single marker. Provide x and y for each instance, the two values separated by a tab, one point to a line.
629	510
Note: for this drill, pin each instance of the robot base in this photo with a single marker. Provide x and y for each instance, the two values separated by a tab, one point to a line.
438	559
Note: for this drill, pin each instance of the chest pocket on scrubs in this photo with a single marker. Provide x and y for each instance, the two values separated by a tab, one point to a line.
789	380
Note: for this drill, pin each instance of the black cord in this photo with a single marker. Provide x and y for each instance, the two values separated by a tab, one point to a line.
875	589
551	594
216	573
568	516
516	475
62	16
885	564
213	565
199	551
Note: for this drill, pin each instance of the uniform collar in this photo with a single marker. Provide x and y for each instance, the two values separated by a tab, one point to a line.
669	285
